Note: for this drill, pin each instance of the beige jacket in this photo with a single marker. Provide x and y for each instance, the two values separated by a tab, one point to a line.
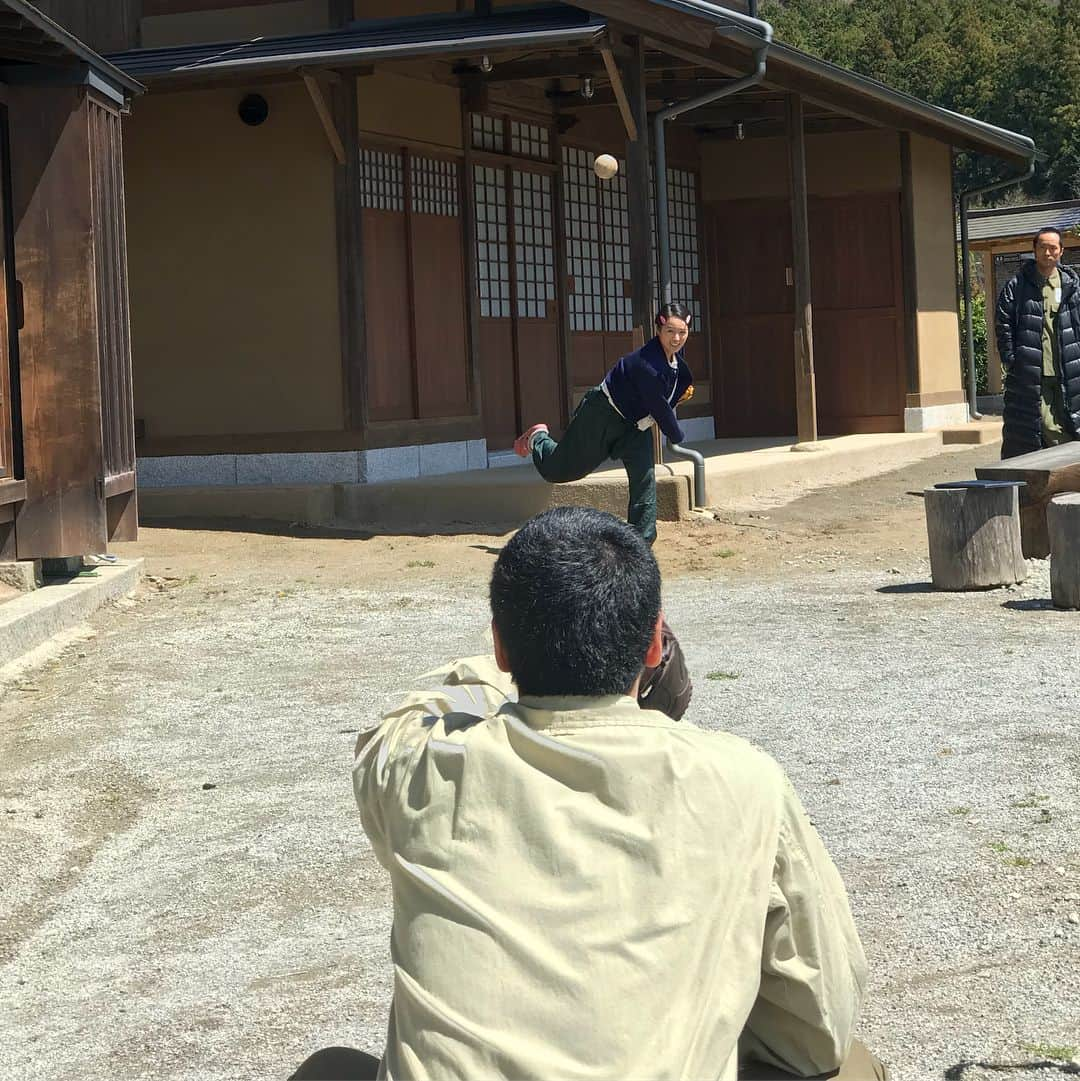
585	889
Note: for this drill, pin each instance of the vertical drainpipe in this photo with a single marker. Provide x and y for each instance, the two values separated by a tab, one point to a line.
965	270
663	230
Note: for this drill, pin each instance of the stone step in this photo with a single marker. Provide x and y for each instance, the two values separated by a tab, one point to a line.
974	433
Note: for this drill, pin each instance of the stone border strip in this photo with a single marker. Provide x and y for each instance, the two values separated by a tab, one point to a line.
31	620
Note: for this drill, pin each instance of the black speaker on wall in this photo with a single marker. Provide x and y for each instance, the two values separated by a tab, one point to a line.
253	109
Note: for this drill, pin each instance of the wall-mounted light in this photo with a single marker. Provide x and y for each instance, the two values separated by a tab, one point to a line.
253	109
485	63
740	134
587	87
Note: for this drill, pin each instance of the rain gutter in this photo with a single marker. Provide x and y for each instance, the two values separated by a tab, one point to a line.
663	229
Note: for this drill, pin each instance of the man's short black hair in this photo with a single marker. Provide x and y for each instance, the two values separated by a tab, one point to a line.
1042	232
574	597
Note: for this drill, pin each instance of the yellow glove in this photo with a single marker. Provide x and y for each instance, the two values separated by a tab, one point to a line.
687	395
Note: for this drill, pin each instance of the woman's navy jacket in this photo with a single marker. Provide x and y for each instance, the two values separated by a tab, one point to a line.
643	384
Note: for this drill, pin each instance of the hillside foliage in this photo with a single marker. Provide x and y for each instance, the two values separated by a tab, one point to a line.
1012	64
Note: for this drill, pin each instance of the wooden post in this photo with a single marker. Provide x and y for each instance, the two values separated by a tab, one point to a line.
805	393
974	537
60	364
562	293
1063	524
993	359
642	291
467	209
910	273
345	112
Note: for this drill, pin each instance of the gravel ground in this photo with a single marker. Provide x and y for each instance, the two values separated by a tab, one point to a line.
185	891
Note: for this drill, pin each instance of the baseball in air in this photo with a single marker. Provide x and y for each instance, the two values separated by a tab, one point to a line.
605	166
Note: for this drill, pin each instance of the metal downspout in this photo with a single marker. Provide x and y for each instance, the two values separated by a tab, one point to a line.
965	270
663	229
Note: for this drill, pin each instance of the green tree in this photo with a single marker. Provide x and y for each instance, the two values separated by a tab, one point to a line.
1010	64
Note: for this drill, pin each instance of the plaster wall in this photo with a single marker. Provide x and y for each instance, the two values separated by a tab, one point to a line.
935	268
837	163
412	110
233	264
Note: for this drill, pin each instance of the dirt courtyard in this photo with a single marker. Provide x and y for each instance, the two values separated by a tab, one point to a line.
185	891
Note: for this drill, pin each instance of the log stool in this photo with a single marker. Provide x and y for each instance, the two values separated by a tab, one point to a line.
1063	525
973	528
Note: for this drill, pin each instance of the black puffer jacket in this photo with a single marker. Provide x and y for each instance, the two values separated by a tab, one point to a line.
1019	338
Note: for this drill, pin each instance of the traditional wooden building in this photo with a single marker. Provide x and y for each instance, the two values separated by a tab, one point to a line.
67	455
367	241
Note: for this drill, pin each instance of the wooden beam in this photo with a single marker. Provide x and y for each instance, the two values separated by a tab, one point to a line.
774	129
12	491
658	91
38	54
318	99
620	92
602	98
556	67
467	199
910	280
119	483
700	57
562	291
345	106
805	391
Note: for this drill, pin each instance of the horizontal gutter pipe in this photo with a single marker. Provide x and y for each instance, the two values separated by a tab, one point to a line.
965	269
464	46
663	229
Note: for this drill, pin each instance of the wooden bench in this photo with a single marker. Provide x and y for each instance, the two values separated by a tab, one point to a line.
1046	473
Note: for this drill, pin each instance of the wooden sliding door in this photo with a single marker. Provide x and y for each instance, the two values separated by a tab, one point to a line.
519	331
414	285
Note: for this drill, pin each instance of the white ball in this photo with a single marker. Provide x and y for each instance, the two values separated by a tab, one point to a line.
605	166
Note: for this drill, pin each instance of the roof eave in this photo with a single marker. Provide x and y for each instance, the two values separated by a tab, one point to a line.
967	133
104	70
399	51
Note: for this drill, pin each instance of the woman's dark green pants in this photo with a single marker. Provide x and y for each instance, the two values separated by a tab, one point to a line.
596	433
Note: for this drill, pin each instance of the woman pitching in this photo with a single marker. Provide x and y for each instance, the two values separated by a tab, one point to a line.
614	419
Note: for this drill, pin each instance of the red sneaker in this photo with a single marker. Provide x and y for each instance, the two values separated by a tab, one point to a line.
523	443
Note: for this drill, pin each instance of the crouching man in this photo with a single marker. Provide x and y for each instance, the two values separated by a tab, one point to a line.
586	889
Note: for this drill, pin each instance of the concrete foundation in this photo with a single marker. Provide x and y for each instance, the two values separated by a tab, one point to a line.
27	622
311	504
499	499
928	417
23	575
322	467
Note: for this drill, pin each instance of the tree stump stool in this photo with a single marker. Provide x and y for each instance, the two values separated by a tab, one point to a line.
1063	525
973	528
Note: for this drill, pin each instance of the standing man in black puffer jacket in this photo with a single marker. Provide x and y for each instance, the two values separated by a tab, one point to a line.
1038	336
